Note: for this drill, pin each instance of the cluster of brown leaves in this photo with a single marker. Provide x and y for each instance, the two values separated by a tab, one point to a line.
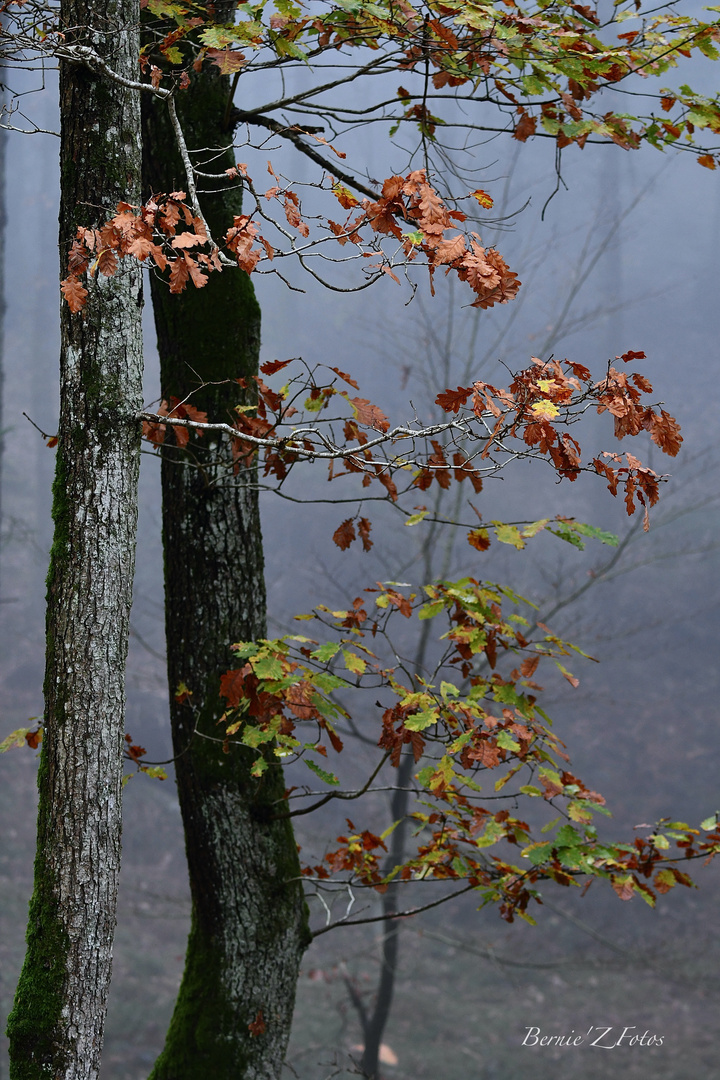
543	393
181	410
166	232
413	200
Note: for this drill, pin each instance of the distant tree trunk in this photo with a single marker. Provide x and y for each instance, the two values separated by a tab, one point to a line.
3	227
248	927
56	1026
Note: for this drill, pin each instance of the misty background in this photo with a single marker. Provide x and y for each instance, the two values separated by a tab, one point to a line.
630	248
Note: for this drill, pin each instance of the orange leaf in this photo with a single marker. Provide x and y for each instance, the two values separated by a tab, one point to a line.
485	200
368	414
75	293
228	60
479	539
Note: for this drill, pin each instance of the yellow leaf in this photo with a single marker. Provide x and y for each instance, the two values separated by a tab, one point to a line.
542	409
485	200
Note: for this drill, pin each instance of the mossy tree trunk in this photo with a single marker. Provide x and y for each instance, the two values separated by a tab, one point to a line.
56	1026
248	926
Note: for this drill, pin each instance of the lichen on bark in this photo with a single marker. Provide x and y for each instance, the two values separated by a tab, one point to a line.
56	1026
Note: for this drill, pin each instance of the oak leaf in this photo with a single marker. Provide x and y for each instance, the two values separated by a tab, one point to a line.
345	534
75	293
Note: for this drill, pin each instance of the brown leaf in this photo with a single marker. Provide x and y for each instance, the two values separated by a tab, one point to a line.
75	293
364	527
525	127
179	274
228	60
529	666
347	378
665	433
271	366
368	414
257	1026
624	887
479	539
231	686
345	534
451	400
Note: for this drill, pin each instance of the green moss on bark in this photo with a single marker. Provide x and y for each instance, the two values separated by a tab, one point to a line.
36	1015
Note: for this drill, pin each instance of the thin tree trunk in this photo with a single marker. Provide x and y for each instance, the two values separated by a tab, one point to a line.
248	927
374	1021
56	1027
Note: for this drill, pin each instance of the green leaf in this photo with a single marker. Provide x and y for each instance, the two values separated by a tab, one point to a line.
249	648
326	652
709	824
414	519
550	825
15	738
267	667
534	527
421	720
255	736
508	534
537	853
425	775
156	771
567	836
173	56
429	611
530	789
506	741
353	662
327	682
326	777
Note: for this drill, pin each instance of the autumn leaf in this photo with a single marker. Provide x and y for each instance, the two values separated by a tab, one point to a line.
179	274
544	410
345	534
257	1026
368	414
271	366
347	378
624	886
525	127
75	293
228	60
479	539
364	527
707	160
452	400
485	200
232	687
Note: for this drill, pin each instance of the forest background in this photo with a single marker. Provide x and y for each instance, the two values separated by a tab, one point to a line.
642	725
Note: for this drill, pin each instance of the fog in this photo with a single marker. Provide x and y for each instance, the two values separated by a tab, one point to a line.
642	727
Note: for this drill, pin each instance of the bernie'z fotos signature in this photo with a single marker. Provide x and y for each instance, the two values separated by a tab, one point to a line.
604	1038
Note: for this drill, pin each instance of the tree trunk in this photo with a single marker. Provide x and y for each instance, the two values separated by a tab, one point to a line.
248	927
56	1027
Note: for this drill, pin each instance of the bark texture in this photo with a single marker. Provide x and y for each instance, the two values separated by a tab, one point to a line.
56	1027
248	927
